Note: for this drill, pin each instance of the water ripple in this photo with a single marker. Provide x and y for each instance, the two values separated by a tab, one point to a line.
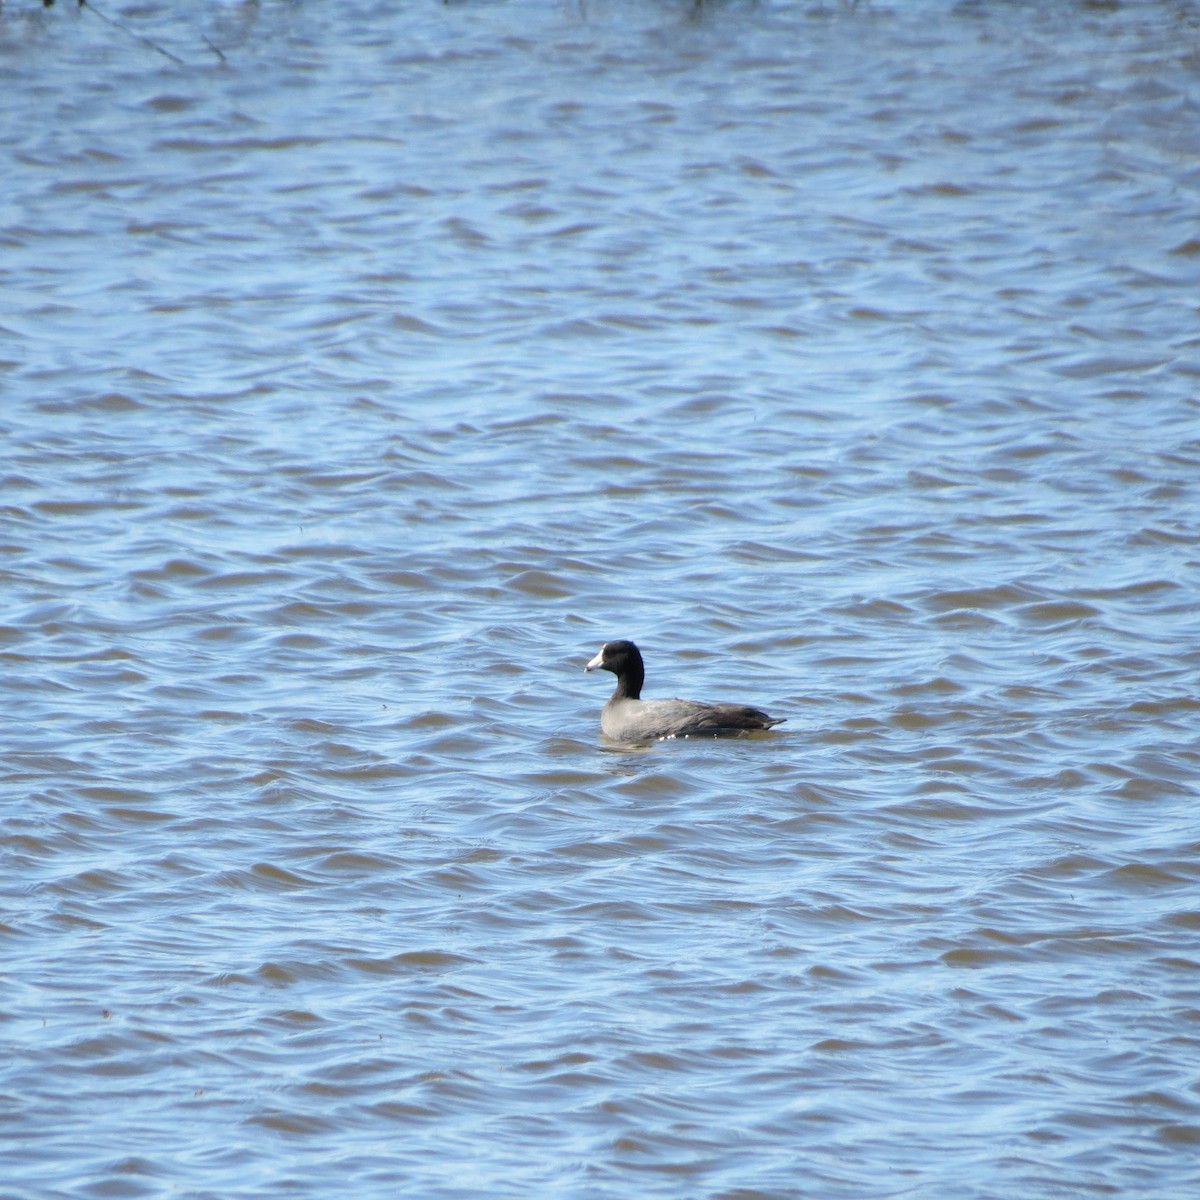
355	399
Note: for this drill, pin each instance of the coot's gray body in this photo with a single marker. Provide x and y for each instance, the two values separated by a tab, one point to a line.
629	718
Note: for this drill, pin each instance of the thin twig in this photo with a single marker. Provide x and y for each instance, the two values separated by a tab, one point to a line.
125	29
215	49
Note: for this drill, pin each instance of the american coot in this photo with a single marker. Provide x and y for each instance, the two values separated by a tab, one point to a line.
629	718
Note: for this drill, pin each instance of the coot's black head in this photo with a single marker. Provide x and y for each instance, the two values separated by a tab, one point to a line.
624	660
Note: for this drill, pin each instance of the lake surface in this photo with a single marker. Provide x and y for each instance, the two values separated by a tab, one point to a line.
367	367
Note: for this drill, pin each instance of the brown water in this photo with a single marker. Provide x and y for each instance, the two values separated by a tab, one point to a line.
358	387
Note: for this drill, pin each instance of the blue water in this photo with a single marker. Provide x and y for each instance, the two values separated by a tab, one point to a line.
360	380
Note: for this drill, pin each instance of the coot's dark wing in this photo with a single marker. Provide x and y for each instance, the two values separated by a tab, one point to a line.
715	719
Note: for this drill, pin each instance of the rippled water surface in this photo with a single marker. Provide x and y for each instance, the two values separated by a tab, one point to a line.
366	365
